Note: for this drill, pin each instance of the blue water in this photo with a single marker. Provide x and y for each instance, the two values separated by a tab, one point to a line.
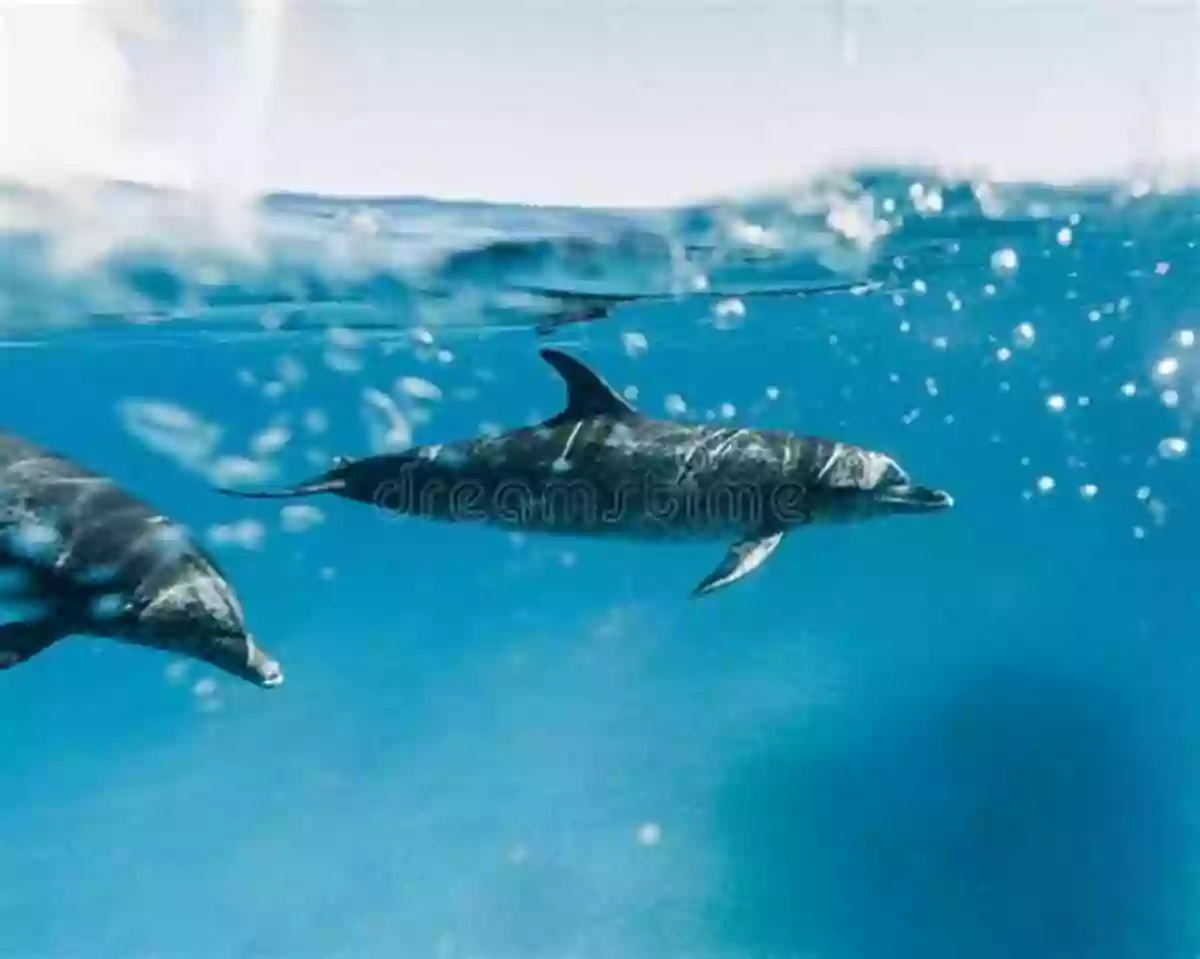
972	734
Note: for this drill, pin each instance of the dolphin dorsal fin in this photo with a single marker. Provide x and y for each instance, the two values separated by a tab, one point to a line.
588	395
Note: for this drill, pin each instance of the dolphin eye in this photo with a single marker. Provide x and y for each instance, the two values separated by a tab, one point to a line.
883	472
895	476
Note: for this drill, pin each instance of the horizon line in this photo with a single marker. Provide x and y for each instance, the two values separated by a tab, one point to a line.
1180	175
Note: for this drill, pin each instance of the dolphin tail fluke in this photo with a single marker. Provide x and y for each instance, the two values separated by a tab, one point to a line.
23	640
288	492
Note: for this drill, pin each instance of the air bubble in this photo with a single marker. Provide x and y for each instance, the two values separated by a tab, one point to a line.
1166	367
316	421
247	534
291	371
343	361
649	834
270	441
1004	261
731	307
418	388
297	517
232	470
1173	447
205	687
389	429
635	343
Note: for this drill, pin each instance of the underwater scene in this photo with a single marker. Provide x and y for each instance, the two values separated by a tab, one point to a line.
864	636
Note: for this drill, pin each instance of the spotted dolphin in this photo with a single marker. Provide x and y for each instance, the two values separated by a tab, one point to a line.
80	556
602	468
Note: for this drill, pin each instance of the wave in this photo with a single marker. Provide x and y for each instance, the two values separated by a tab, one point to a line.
121	255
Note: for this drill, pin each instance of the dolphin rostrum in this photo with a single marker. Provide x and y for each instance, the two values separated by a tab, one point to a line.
601	468
80	556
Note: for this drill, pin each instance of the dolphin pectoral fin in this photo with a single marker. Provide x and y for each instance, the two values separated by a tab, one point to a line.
20	641
742	558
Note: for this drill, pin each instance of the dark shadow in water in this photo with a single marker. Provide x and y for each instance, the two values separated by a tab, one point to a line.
1024	815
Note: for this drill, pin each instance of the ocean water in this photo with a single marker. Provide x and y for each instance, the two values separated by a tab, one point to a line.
969	734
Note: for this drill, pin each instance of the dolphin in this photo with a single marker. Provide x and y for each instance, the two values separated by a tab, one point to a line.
80	556
602	468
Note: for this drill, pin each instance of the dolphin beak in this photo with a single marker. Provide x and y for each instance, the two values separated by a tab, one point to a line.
916	499
263	670
272	675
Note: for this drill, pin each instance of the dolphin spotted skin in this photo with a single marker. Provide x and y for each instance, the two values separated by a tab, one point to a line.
601	468
80	556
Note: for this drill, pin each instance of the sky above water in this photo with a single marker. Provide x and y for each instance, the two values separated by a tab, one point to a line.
598	102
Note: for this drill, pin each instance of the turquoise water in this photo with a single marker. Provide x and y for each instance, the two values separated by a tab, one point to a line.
968	734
